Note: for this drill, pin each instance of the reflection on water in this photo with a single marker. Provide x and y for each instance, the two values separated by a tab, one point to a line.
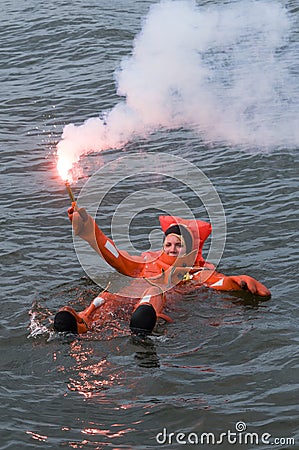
108	433
146	355
89	378
36	436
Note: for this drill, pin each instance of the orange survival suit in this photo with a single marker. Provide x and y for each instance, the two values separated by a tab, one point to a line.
162	273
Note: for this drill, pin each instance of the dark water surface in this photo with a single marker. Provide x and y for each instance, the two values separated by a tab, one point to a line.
224	360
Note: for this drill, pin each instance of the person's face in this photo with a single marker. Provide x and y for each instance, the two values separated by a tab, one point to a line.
174	246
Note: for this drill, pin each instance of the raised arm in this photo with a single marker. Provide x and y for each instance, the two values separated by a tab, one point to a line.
85	227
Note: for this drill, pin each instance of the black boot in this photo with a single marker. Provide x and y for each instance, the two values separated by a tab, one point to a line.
65	321
143	319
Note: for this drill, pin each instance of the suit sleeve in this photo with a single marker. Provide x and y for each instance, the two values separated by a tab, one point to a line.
220	282
122	261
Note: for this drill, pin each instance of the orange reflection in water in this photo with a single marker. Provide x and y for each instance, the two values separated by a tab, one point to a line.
107	433
90	378
78	444
103	432
36	436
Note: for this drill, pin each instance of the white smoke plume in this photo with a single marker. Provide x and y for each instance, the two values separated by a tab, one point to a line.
228	72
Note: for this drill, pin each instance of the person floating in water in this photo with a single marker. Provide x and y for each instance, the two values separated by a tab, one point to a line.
178	266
